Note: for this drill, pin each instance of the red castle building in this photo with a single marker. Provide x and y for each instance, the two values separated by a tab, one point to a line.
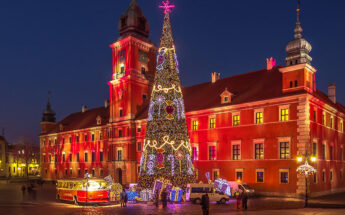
250	127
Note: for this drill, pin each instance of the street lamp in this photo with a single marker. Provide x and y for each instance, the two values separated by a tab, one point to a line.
306	170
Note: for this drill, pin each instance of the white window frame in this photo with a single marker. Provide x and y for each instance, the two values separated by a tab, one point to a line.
256	175
284	170
236	142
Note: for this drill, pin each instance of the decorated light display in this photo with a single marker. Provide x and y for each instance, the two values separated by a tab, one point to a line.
223	186
306	169
166	151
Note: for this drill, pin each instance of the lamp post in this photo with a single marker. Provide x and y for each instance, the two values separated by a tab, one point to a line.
306	170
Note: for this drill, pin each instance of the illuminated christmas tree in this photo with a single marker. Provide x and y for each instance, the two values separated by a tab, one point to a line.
167	151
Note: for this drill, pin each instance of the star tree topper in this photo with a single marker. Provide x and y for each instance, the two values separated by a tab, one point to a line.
166	6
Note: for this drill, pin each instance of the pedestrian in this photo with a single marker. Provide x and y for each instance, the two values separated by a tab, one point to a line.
125	199
164	198
122	199
156	198
244	200
205	204
238	199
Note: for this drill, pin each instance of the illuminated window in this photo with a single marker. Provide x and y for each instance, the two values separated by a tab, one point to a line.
212	123
331	122
236	120
86	157
259	176
100	156
55	141
101	135
119	154
259	118
331	176
284	176
324	151
239	175
236	152
215	174
341	127
212	152
195	125
284	115
195	154
284	150
323	118
259	151
122	69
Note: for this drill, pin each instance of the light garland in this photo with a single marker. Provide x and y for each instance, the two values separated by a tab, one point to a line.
147	143
173	87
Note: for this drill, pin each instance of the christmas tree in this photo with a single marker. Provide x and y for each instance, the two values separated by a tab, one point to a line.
167	152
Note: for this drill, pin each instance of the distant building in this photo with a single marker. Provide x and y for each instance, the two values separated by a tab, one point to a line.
248	127
3	157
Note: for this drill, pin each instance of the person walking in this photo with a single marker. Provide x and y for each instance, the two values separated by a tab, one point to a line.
164	198
244	200
156	198
125	199
205	204
238	199
122	199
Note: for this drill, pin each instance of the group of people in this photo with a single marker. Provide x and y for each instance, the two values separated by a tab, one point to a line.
30	189
163	196
240	197
123	198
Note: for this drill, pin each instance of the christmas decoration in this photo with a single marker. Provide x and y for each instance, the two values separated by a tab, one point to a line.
167	150
146	195
306	169
176	194
223	186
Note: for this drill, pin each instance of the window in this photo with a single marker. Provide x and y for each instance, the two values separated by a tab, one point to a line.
55	158
143	70
77	157
50	158
93	172
315	178
331	122
291	84
139	146
323	176
239	175
63	140
341	127
100	156
236	120
215	174
212	123
119	154
101	135
85	172
195	125
79	172
284	115
314	115
144	96
63	157
70	139
284	176
85	137
323	118
85	157
236	152
259	151
55	141
259	176
121	113
70	157
66	172
77	139
296	80
101	172
122	69
226	99
120	132
139	129
93	137
331	176
314	149
324	151
259	117
212	152
93	156
195	154
331	152
70	172
284	150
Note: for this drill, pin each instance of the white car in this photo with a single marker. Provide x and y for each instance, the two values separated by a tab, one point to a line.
241	187
196	191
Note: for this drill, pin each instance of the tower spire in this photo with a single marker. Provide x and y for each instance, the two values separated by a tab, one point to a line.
298	29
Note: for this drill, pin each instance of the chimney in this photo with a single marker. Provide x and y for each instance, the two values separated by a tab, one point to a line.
331	92
83	108
215	77
271	62
106	103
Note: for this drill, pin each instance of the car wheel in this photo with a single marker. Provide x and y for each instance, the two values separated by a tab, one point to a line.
223	201
197	201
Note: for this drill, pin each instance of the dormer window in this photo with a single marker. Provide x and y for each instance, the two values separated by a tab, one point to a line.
99	120
226	96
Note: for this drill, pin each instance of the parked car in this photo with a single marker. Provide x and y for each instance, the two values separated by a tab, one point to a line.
241	187
196	191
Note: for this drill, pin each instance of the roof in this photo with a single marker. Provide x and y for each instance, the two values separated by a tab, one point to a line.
249	87
82	120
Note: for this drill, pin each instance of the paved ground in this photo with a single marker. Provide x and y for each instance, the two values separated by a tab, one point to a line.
42	201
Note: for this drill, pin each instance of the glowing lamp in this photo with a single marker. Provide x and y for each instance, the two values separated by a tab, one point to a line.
238	180
299	159
313	159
